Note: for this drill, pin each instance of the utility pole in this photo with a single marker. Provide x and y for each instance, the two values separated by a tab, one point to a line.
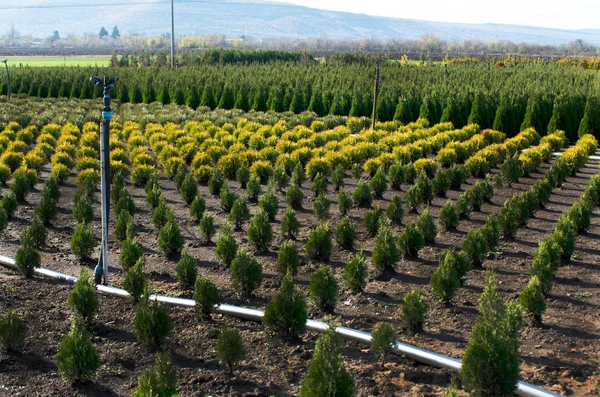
375	94
106	84
8	75
172	36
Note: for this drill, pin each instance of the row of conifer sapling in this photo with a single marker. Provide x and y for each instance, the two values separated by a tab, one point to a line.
514	214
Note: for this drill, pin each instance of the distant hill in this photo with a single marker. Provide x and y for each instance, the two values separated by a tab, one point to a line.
267	20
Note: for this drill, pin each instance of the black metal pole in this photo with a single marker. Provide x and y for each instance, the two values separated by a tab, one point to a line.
375	94
8	76
107	84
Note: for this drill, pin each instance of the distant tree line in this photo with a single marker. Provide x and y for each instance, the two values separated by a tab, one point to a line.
507	96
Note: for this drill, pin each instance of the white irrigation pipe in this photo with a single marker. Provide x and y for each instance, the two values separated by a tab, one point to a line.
409	351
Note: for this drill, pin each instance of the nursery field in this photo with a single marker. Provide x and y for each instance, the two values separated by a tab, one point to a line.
451	236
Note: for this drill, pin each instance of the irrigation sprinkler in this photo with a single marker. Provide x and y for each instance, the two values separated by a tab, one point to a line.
8	75
106	84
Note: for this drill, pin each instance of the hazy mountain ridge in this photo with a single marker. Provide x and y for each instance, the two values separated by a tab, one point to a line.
270	20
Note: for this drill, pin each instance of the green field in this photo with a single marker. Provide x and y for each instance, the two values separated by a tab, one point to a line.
59	61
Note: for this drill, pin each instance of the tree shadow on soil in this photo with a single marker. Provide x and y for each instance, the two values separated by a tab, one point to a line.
93	389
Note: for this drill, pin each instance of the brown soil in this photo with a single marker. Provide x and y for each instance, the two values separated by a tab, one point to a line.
561	355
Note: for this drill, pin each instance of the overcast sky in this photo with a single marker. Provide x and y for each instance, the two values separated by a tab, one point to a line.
573	14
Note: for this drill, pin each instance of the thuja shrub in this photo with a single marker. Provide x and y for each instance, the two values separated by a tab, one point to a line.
475	247
544	272
394	211
424	188
581	214
46	208
324	289
245	273
242	175
186	270
383	340
288	259
83	300
207	228
3	219
27	258
414	310
410	241
286	313
280	179
413	198
124	222
355	273
508	219
83	210
319	185
491	361
344	203
159	380
188	189
362	194
154	197
77	358
12	332
378	183
385	250
227	198
9	203
321	207
396	175
548	252
131	252
170	240
491	232
318	245
83	242
239	213
197	208
215	183
345	233
125	203
372	220
269	204
463	205
206	296
457	175
511	170
35	234
356	171
447	218
298	175
289	224
337	178
440	183
162	214
260	232
426	226
326	370
227	246
564	236
152	323
445	280
135	280
532	300
20	185
253	188
294	196
230	348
